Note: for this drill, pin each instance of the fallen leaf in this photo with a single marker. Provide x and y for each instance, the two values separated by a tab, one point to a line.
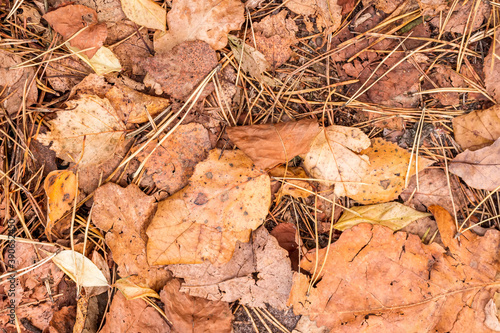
491	69
124	214
146	13
433	189
327	12
80	269
133	316
461	17
386	175
306	325
491	313
258	273
103	62
92	84
132	290
64	74
293	186
102	265
88	131
384	6
392	215
272	144
108	11
70	19
206	20
335	157
63	320
288	238
479	169
179	70
13	81
477	129
433	7
426	229
227	198
172	164
375	280
250	59
194	314
61	189
132	106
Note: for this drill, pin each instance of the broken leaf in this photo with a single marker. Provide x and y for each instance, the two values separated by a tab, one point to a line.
258	273
251	60
227	197
392	215
269	145
61	189
132	290
146	13
80	269
477	129
194	314
205	20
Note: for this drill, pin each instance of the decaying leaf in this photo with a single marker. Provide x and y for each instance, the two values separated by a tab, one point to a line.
88	131
477	129
61	189
251	60
194	314
375	280
269	145
103	62
258	273
386	175
124	213
178	71
479	169
392	215
146	13
80	269
70	19
294	186
207	20
227	197
335	157
470	15
132	290
327	12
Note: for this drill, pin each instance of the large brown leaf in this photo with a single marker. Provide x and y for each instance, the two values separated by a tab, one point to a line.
375	280
477	129
227	197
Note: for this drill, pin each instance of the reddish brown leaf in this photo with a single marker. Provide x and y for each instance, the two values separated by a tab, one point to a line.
477	129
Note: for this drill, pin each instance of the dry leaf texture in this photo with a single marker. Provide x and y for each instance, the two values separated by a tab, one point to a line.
477	129
227	197
146	13
491	69
327	12
61	189
259	272
293	186
251	60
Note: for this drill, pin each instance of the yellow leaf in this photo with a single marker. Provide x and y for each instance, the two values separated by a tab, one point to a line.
80	269
146	13
60	187
132	291
103	62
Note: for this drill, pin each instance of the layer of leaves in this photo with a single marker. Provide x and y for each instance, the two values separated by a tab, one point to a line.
146	13
477	129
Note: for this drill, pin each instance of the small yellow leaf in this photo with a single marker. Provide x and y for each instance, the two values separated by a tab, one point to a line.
132	291
60	187
146	13
391	214
80	269
103	62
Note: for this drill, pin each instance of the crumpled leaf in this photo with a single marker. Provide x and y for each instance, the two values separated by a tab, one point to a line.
375	280
61	189
103	62
386	175
272	144
133	316
335	156
206	20
178	72
258	273
88	131
477	129
80	269
327	12
392	215
132	290
227	197
69	19
194	314
124	213
146	13
479	169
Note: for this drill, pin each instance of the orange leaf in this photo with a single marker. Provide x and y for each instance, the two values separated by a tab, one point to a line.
61	188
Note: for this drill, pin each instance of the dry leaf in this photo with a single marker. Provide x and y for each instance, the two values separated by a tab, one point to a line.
258	273
461	17
92	84
80	269
479	169
133	106
335	156
251	60
288	238
70	19
124	213
227	197
306	325
194	314
491	313
205	20
63	320
127	316
102	264
386	175
88	131
179	71
327	12
477	129
269	145
146	13
375	280
294	186
491	69
108	11
64	74
433	7
133	290
61	189
103	62
392	215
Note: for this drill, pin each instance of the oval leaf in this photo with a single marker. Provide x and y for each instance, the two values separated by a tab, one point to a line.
132	291
80	269
146	13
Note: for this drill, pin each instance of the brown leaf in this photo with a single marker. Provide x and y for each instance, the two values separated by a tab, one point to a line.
64	74
13	81
461	17
209	21
293	186
272	144
180	70
107	10
63	320
258	273
379	281
172	163
133	316
491	69
327	12
227	198
477	129
194	314
433	189
68	20
433	7
92	84
124	214
479	169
